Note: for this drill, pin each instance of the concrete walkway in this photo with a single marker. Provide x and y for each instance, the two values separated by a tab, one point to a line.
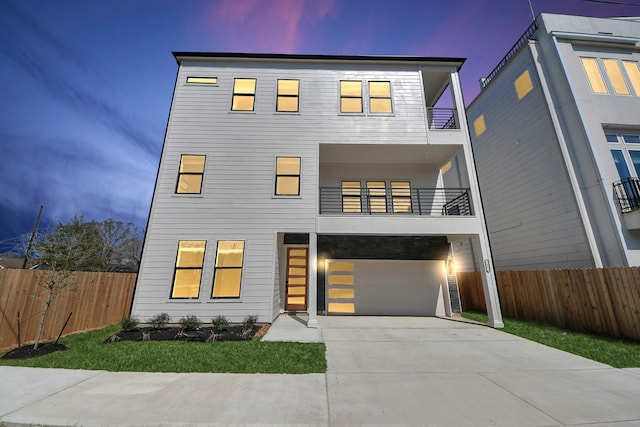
381	371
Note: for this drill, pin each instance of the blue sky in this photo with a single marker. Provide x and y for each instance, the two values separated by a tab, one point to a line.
87	85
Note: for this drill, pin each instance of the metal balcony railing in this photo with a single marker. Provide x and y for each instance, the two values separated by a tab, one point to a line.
442	118
627	192
395	201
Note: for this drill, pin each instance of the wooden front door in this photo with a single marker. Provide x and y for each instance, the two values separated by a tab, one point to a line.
296	289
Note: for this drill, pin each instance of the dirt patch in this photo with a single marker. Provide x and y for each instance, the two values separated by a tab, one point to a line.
232	333
27	351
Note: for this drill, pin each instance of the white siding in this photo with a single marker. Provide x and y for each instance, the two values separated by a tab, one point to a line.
237	201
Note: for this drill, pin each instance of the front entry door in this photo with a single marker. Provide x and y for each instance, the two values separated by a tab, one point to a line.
296	289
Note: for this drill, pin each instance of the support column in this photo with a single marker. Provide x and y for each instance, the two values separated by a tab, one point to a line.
312	282
490	285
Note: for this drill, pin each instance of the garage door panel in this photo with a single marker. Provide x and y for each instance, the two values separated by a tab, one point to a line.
392	287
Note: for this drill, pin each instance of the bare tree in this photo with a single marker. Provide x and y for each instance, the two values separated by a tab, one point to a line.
65	249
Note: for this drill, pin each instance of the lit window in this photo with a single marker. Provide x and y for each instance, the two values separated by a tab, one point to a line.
401	195
615	76
244	94
351	96
190	174
288	92
444	169
377	196
523	84
633	72
351	201
478	125
380	97
202	80
593	74
287	176
228	270
188	271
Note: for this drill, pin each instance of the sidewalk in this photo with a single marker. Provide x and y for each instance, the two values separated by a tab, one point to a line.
403	371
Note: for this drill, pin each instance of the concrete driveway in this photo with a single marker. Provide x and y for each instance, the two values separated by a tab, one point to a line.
382	371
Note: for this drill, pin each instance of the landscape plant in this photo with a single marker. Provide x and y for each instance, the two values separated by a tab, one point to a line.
129	323
189	323
249	322
160	321
220	323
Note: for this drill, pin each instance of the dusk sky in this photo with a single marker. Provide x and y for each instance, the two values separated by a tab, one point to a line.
87	85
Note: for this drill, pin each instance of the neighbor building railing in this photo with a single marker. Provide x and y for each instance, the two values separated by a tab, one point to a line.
627	192
395	201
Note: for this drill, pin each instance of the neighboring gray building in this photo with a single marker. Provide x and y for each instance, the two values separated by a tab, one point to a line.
554	130
310	183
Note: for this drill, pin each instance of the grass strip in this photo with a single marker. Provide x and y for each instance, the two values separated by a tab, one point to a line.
87	351
616	352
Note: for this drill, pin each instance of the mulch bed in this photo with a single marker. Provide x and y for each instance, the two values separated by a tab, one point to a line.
232	333
209	334
27	351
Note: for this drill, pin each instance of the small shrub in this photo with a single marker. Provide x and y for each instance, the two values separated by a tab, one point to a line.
160	321
220	323
129	322
249	322
190	323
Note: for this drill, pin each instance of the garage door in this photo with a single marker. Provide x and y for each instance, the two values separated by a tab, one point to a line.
385	287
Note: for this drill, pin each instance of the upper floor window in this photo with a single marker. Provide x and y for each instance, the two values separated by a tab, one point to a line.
633	72
244	94
288	95
478	125
380	97
523	84
615	76
350	96
228	269
594	76
202	80
190	174
287	176
188	269
626	157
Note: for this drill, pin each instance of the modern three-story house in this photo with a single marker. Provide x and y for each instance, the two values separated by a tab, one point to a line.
311	183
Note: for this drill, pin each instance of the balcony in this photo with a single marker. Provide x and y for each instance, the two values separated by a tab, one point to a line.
627	193
442	118
395	201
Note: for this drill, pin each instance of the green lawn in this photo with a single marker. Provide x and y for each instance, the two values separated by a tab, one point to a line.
617	352
87	351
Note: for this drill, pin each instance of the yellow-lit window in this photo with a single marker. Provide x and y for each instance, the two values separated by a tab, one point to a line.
633	72
350	96
615	76
377	196
590	66
244	94
401	195
287	176
523	84
351	197
202	80
380	97
479	126
228	271
188	271
190	174
444	169
288	92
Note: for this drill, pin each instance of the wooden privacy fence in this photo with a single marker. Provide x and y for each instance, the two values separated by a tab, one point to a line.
97	300
605	301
